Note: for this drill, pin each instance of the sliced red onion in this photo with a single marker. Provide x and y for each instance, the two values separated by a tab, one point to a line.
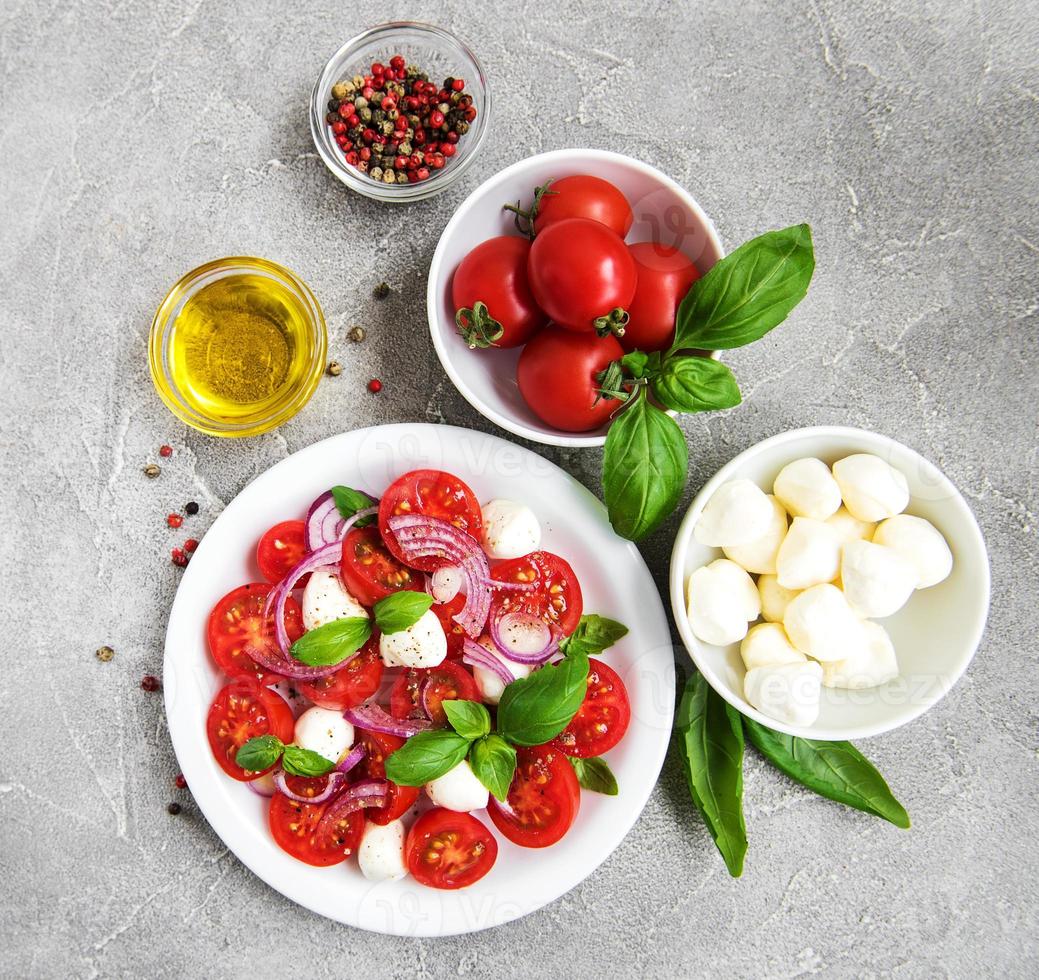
372	718
493	583
446	582
262	785
354	756
522	637
368	792
324	522
477	655
336	781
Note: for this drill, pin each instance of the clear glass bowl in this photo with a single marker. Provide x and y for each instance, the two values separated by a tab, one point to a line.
435	51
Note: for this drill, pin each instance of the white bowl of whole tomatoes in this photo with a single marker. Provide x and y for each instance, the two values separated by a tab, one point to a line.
527	310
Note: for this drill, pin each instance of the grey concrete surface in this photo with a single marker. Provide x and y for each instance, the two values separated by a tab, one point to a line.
143	138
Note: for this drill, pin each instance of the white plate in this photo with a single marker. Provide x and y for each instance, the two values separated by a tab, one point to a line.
614	580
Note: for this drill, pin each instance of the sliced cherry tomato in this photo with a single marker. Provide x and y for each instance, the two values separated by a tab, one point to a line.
430	493
348	687
400	798
281	549
543	799
584	196
415	691
665	275
370	572
556	596
297	828
446	849
237	620
446	612
602	719
241	711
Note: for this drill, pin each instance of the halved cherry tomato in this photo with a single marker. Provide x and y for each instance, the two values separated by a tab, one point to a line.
417	690
281	549
297	829
556	596
665	275
584	196
370	572
430	493
400	798
356	682
602	719
543	799
446	849
237	620
241	711
446	612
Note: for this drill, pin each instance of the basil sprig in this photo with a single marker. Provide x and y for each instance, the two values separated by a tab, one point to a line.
494	764
263	751
349	501
399	610
332	643
535	709
695	384
426	756
469	718
595	775
593	635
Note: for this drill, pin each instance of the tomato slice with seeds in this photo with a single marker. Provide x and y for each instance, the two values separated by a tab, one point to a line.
431	493
281	549
297	829
400	798
602	719
370	572
446	612
237	620
346	688
449	850
243	710
543	799
445	682
556	596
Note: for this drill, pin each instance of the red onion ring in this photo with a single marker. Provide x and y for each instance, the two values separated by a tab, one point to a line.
476	655
261	786
369	792
372	718
335	782
324	522
539	646
354	756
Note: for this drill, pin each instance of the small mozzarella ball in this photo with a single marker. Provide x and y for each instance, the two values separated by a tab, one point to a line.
325	732
380	855
873	665
877	581
821	624
488	683
458	789
850	528
806	488
510	529
722	599
809	555
423	644
786	692
774	598
759	556
767	645
325	600
919	542
871	487
737	513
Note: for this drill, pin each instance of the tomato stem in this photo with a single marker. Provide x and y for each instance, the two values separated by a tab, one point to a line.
477	327
613	322
530	215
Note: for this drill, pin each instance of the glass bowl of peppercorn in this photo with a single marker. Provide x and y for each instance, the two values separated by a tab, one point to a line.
400	111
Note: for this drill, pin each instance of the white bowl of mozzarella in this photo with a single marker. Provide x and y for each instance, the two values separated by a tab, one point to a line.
830	583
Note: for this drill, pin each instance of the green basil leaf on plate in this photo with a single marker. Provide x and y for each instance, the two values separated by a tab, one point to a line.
426	756
469	718
304	762
535	709
595	775
493	762
349	501
695	384
259	753
400	610
332	643
594	634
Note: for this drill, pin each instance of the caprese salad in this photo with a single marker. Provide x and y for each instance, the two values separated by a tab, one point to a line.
445	661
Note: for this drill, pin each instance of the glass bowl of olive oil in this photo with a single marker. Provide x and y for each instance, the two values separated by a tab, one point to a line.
237	347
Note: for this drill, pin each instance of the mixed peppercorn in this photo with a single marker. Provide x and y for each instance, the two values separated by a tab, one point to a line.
397	126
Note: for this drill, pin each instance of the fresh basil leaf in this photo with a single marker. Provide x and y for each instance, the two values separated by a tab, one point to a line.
593	635
535	709
595	775
304	762
748	292
333	642
710	735
695	384
493	762
350	501
469	718
259	753
426	756
836	770
643	469
400	610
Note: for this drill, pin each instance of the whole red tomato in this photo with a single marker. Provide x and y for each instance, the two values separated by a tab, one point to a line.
495	274
557	378
665	275
583	196
580	273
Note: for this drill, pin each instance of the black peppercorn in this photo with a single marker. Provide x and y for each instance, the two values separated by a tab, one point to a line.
173	809
191	508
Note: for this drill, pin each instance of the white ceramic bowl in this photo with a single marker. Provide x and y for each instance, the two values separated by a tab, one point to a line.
487	378
935	634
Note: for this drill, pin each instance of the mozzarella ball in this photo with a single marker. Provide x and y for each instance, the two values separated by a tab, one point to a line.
510	529
458	789
806	488
873	665
809	555
786	692
325	732
850	528
759	556
821	624
774	598
722	599
488	683
737	513
919	542
423	644
877	581
325	600
380	855
871	487
767	645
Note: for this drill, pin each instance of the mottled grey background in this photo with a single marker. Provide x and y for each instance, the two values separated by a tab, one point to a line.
142	138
